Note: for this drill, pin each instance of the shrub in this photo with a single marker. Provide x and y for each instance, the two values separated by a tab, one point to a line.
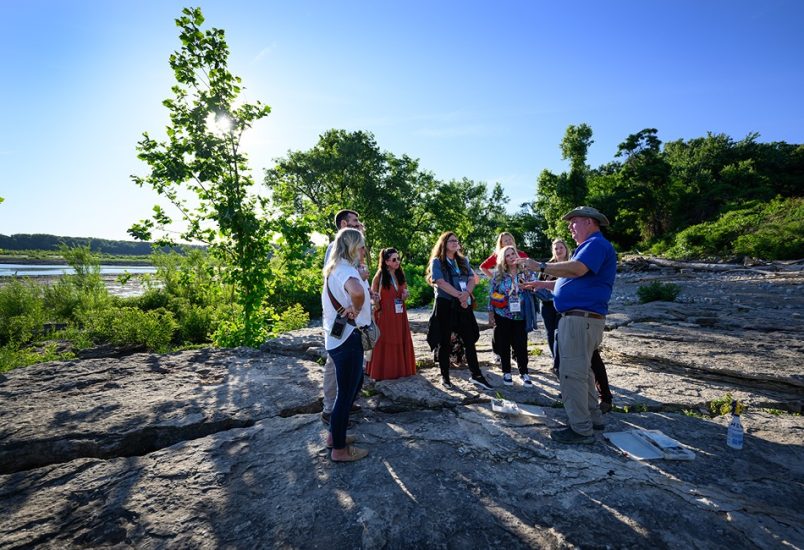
129	326
780	235
292	318
151	299
62	300
770	230
481	293
420	293
87	268
12	357
230	330
195	323
21	312
658	291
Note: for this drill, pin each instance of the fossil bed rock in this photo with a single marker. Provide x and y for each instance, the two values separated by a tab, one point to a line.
225	448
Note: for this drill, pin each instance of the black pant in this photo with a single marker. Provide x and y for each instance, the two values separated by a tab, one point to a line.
508	334
598	369
453	318
550	317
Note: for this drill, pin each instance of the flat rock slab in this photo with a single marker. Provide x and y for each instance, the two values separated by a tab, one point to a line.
458	478
225	448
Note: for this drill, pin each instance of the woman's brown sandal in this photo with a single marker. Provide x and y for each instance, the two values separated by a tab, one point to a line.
355	453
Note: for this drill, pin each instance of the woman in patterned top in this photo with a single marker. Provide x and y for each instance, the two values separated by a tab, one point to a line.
507	316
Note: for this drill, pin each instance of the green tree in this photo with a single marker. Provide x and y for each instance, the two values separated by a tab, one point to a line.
401	204
557	194
202	155
645	174
348	170
527	226
575	148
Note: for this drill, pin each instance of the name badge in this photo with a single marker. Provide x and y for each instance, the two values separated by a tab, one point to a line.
397	306
514	305
462	284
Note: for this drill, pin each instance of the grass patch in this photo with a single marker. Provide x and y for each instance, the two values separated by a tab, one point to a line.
658	291
535	349
635	408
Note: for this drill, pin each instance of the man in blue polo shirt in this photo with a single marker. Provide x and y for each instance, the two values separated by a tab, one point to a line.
581	297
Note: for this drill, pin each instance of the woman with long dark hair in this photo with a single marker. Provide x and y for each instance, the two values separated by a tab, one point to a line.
453	280
393	356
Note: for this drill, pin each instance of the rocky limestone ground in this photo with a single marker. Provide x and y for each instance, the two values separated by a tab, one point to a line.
225	448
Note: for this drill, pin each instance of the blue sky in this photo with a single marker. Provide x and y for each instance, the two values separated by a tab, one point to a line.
483	90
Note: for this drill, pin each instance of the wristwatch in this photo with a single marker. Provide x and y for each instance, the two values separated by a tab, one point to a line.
542	265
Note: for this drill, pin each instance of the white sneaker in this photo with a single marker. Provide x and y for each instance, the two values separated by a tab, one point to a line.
497	359
507	380
526	381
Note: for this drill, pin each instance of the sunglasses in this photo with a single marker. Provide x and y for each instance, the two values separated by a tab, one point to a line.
394	259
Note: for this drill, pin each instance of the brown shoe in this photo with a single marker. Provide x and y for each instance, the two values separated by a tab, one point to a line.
355	453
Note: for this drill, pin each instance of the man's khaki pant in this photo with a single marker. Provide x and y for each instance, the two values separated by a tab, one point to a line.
577	339
330	385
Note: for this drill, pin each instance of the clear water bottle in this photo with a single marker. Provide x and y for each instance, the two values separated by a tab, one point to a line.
734	437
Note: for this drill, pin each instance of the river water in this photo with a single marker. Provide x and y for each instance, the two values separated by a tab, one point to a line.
33	270
47	274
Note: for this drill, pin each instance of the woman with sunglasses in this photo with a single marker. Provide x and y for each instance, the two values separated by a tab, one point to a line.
393	356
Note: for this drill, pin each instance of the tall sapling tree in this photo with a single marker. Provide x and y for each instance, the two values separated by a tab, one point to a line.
202	156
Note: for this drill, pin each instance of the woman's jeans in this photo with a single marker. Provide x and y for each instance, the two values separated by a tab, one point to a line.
348	359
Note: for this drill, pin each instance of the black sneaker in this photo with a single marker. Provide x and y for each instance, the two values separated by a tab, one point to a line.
481	382
605	406
598	427
568	435
446	383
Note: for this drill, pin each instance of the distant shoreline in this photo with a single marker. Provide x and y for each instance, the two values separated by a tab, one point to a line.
60	261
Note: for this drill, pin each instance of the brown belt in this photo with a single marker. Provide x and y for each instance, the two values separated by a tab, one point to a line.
581	313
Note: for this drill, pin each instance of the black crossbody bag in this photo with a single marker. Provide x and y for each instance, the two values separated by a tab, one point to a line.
369	334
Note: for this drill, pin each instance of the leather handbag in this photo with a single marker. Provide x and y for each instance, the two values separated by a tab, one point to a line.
369	334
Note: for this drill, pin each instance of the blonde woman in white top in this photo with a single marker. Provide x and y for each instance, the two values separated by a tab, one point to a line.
342	281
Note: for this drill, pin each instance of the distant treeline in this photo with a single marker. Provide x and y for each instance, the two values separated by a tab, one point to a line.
40	241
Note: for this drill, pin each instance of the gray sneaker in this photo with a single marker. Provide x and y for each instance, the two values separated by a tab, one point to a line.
568	435
526	381
507	380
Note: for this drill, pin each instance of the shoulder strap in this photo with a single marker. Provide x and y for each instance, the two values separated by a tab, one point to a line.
337	305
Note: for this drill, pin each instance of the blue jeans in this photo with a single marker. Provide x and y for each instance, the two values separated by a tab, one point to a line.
348	359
